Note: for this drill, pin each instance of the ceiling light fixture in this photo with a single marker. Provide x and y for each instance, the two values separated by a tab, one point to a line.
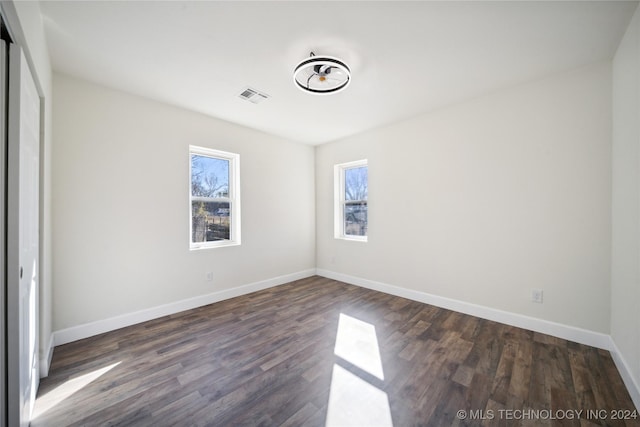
322	75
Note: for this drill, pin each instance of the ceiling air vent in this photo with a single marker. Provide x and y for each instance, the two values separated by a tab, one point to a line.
253	95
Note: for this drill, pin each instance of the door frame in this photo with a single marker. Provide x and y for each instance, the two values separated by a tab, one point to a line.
3	235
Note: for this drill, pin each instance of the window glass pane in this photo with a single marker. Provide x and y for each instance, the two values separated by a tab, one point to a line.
209	176
210	221
355	219
356	183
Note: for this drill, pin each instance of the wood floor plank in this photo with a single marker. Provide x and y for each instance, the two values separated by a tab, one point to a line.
521	373
502	378
300	416
268	358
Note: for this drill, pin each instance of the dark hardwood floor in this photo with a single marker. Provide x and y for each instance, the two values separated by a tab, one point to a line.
319	352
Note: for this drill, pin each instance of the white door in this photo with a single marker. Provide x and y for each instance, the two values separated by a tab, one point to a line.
22	237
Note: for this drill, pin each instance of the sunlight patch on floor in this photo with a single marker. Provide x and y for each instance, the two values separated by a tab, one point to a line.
355	402
68	388
356	342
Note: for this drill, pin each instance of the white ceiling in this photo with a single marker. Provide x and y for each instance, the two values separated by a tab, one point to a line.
406	57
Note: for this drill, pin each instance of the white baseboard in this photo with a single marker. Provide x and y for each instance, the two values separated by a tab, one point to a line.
632	385
87	330
571	333
45	361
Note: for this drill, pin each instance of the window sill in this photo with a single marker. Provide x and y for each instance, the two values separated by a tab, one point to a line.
363	239
199	247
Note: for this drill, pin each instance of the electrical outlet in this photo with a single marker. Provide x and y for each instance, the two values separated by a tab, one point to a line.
209	276
536	295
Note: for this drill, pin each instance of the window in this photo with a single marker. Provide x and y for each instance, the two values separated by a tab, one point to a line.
214	198
351	193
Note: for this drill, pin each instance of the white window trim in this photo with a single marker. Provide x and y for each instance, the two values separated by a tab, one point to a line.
233	199
339	200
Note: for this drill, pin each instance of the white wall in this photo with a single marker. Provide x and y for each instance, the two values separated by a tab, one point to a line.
485	200
625	272
25	21
121	213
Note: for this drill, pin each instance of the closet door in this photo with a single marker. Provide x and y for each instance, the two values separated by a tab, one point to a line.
23	178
